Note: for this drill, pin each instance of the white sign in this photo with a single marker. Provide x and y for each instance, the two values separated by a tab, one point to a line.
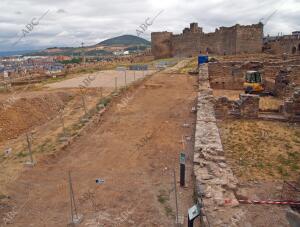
121	68
5	74
194	212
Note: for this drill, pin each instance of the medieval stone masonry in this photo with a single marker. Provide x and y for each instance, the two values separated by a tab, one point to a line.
193	41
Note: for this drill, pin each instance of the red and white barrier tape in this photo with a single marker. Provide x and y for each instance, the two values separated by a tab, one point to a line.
270	202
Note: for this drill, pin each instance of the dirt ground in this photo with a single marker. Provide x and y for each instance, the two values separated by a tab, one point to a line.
134	149
44	125
34	109
104	78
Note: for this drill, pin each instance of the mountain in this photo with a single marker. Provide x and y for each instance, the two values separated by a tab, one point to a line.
17	52
129	43
125	40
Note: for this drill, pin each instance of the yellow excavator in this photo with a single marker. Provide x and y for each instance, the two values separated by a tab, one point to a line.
253	83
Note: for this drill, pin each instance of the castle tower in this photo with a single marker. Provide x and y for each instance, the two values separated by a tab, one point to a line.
161	44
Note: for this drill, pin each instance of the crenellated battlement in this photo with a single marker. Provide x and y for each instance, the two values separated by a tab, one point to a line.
193	41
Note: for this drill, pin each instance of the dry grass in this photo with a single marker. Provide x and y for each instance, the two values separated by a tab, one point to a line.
262	149
269	103
230	94
191	66
246	57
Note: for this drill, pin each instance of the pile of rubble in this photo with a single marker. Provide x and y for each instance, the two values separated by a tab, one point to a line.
246	107
283	83
215	182
291	106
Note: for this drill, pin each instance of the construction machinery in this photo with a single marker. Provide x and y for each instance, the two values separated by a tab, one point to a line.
253	83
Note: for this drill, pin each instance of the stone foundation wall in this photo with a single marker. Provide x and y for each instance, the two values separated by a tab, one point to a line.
226	76
291	106
287	79
215	182
231	75
246	107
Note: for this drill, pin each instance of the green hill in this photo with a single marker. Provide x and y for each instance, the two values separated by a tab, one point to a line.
125	40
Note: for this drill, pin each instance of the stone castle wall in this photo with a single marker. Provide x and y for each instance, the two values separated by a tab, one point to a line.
161	44
193	41
249	38
283	45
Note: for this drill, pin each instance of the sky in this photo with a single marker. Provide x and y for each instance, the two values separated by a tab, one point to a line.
38	24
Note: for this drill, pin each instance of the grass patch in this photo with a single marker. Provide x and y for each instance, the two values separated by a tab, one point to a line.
22	154
105	101
53	80
261	149
46	146
192	65
169	212
162	197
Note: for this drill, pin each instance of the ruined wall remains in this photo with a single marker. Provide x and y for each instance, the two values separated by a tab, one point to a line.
226	75
246	107
291	106
282	83
215	182
225	40
230	75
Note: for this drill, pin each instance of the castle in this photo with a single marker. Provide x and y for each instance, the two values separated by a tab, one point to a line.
287	44
193	41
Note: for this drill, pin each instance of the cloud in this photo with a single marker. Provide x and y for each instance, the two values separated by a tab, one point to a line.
61	11
71	22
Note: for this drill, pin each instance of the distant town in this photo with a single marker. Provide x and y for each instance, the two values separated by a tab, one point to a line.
55	62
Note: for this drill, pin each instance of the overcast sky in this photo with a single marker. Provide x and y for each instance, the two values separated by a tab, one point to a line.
70	22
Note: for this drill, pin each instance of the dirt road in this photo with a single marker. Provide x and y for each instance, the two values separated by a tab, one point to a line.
133	149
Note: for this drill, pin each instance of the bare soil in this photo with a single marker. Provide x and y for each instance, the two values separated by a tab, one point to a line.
134	149
31	114
107	78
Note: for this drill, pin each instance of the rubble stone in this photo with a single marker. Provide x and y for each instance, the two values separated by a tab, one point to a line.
246	107
291	106
214	178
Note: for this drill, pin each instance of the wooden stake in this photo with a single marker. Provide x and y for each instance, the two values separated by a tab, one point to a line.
63	122
83	104
183	143
176	201
29	147
72	200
